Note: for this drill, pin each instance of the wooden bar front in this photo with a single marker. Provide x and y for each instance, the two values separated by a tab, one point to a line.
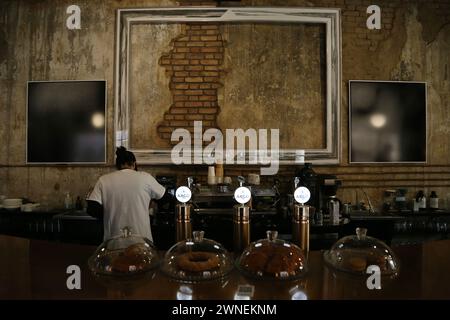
34	269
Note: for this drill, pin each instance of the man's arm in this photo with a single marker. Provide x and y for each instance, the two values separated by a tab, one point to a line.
167	197
94	201
95	209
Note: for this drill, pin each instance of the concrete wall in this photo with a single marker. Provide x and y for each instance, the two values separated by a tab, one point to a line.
149	92
276	78
35	45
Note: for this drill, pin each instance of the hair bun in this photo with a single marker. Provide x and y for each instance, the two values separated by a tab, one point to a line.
121	151
123	156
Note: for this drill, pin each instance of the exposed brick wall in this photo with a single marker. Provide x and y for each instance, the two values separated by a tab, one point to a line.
354	27
194	67
354	16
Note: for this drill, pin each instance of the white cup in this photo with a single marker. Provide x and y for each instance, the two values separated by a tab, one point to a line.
212	180
211	175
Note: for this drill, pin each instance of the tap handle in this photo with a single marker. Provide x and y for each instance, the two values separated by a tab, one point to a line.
190	180
296	182
241	180
276	186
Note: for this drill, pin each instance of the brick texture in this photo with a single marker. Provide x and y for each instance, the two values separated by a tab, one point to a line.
194	66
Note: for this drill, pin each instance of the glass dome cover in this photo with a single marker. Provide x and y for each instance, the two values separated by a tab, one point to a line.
197	259
272	258
355	253
125	255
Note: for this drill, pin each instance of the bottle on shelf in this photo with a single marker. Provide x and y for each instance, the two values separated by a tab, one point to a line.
400	199
68	201
434	201
420	202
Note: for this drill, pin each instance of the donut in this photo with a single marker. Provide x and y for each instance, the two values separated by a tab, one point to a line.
198	261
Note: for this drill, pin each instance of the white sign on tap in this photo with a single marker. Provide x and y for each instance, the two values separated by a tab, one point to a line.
183	194
242	195
302	195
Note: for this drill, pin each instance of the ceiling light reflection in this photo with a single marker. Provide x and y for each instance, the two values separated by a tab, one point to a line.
378	120
98	120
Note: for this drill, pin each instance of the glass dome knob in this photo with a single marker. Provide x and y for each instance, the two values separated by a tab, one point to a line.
361	233
198	235
126	232
272	235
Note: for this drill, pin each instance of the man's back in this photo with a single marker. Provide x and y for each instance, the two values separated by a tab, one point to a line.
125	196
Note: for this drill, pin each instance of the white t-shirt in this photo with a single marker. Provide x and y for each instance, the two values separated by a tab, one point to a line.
125	196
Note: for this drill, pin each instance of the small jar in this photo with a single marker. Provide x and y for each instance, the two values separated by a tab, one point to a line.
434	201
421	200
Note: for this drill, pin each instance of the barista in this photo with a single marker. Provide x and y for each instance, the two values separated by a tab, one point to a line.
122	198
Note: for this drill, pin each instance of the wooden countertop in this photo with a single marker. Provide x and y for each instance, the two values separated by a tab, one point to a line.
33	269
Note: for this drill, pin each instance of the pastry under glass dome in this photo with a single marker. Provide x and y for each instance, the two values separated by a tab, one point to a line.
125	255
197	259
272	258
353	254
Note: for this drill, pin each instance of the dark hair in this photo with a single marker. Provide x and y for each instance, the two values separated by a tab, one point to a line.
124	157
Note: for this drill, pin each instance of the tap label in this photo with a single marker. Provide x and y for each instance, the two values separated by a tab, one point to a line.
302	195
183	194
242	195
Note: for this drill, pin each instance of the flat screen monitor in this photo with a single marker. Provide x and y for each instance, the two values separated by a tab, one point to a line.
387	122
66	122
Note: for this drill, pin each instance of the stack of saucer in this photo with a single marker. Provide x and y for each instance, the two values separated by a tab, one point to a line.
12	204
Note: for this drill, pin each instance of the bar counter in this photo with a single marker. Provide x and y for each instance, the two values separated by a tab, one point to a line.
36	269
